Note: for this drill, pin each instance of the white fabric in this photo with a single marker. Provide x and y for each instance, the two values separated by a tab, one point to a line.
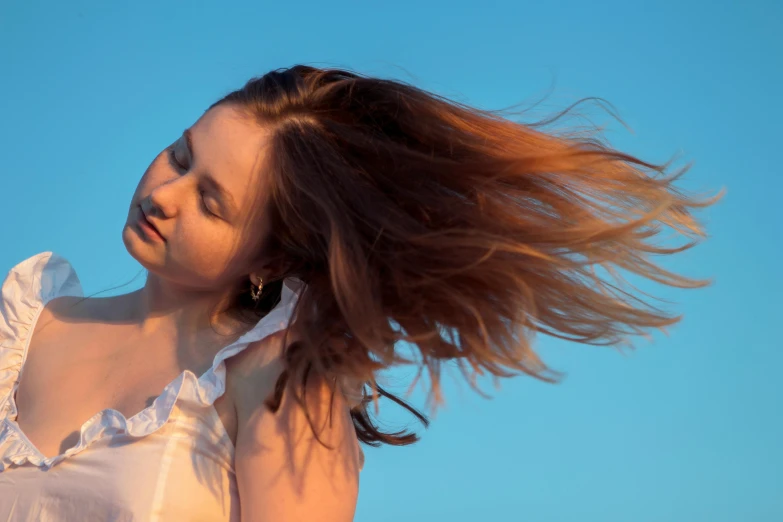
172	461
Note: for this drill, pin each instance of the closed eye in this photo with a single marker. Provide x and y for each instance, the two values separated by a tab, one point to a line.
173	159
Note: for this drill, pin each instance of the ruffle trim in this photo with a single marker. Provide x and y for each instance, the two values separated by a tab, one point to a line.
34	282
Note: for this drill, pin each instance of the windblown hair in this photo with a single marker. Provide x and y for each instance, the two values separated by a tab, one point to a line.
414	218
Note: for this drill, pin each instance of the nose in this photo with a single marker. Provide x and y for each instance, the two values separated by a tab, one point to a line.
161	202
147	206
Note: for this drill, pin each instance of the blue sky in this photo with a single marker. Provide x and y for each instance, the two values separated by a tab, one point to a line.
687	428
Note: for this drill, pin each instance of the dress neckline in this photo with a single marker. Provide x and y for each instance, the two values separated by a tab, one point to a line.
203	390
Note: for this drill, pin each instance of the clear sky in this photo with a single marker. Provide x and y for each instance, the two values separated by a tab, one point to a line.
687	428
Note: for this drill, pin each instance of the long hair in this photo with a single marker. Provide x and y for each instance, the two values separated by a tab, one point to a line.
417	219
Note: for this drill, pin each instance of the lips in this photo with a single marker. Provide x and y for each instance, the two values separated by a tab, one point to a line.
147	222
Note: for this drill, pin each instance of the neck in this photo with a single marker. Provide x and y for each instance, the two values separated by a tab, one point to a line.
162	308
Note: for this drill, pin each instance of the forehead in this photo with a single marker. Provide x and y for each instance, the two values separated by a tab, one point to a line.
231	147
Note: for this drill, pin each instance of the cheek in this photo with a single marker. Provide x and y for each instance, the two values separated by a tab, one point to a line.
208	249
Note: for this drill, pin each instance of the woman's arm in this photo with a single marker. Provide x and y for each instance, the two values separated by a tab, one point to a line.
283	473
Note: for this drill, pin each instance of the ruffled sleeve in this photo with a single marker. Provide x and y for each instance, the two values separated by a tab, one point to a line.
26	289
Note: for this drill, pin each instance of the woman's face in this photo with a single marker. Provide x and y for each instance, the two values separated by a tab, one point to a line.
206	199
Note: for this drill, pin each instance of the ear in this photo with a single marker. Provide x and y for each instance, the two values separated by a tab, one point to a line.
270	270
268	273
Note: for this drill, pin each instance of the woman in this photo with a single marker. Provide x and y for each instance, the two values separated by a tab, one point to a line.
292	236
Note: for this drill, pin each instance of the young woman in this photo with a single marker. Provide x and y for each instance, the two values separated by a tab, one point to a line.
293	236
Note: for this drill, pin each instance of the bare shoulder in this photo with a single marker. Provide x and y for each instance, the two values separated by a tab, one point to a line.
252	373
58	313
283	471
66	306
73	309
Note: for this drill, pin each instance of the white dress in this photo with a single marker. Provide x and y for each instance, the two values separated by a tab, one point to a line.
172	461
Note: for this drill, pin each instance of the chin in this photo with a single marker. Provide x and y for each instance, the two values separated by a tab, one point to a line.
139	249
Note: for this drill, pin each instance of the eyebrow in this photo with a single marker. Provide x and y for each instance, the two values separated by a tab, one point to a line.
226	199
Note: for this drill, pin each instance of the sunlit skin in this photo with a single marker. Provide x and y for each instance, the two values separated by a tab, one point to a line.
282	472
207	238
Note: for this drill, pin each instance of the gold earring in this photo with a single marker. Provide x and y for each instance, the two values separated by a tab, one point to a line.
256	294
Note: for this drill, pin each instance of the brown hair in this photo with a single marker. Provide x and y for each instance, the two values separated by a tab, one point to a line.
415	218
